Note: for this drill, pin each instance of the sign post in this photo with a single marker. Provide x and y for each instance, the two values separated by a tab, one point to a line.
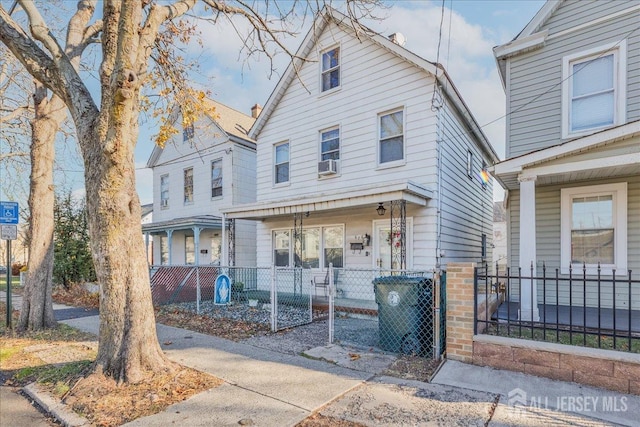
8	232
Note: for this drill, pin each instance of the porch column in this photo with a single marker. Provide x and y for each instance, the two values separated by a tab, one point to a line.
169	246
196	244
528	287
146	247
225	250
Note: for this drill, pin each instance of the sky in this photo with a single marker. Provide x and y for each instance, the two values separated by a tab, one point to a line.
471	28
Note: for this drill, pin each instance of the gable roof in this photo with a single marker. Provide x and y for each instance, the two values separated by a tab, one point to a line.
329	15
529	38
233	122
230	121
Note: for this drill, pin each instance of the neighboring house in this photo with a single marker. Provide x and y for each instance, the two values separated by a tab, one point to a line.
499	235
211	165
147	218
368	158
572	168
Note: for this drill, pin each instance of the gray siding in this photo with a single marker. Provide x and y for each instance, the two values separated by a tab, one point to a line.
548	241
535	78
467	208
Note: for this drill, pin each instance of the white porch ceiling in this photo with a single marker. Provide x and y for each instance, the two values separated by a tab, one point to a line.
356	197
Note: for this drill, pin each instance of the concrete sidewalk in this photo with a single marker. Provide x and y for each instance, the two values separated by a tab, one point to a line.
267	388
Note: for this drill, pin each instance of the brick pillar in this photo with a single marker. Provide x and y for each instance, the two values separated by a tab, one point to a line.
460	311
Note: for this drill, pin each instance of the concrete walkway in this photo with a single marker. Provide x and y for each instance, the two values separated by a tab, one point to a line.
268	388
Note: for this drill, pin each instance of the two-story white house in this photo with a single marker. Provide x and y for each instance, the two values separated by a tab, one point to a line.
210	166
368	157
572	168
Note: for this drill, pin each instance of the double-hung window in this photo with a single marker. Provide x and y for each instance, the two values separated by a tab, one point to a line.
330	144
281	164
281	248
594	90
164	250
594	227
330	69
391	136
189	250
164	191
216	178
187	132
188	185
333	246
320	246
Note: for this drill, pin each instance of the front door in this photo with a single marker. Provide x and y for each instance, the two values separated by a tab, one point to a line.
382	241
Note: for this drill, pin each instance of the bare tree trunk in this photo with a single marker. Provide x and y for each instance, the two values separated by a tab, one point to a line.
128	345
37	303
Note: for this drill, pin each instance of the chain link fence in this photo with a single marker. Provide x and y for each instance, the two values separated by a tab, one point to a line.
278	297
392	310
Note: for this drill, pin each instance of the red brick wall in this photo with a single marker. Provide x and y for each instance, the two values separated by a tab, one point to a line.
594	367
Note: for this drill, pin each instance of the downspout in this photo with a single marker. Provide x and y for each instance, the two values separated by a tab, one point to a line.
438	107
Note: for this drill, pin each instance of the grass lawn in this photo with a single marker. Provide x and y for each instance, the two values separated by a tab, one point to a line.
15	283
578	338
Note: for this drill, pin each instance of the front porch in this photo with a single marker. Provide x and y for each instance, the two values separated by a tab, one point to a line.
600	312
600	319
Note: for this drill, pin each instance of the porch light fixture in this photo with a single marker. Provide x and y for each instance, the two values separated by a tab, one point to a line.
381	210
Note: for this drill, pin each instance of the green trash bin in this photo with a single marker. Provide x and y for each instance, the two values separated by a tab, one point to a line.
404	314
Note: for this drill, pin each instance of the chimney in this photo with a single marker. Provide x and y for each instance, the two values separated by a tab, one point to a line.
255	111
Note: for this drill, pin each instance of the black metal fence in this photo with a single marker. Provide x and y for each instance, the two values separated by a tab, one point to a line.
584	307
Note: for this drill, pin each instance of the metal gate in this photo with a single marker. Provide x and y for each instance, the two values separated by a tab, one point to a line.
398	311
290	297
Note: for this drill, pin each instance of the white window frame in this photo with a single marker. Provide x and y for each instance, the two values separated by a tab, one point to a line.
184	186
291	248
188	133
164	201
189	249
329	70
619	51
402	160
219	162
273	247
275	164
164	250
618	191
321	134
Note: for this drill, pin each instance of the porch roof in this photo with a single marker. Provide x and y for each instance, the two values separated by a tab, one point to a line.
347	198
186	223
570	160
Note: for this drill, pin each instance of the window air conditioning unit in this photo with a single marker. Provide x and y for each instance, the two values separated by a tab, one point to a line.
327	167
164	203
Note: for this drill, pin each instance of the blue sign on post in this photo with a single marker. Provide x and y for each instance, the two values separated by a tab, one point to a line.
8	212
222	290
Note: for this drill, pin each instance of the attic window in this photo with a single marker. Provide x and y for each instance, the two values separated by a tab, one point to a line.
187	132
331	69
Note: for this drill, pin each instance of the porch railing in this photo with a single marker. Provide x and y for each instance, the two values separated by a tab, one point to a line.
592	310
